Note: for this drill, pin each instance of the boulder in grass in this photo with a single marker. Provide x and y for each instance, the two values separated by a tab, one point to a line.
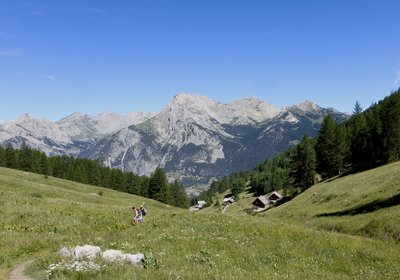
113	256
64	252
134	259
86	251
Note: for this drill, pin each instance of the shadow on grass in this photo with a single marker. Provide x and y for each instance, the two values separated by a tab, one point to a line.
366	208
285	199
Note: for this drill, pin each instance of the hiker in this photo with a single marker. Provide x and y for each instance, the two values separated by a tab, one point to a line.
143	211
138	217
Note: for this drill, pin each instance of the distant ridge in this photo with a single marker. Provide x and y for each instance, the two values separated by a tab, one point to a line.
195	138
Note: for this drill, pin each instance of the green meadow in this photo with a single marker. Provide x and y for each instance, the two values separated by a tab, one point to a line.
38	216
366	204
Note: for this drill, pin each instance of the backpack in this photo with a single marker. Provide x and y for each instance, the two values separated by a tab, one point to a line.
143	210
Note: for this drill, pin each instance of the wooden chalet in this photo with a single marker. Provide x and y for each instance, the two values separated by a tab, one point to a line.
261	202
228	201
275	196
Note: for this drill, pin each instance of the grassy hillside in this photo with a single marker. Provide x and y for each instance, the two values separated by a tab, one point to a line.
366	203
38	216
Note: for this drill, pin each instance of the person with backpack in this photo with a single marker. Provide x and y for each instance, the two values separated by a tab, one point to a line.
143	211
138	218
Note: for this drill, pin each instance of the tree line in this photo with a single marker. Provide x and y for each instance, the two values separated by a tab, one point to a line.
367	139
92	172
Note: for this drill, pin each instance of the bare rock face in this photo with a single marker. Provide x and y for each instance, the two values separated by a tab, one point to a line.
195	139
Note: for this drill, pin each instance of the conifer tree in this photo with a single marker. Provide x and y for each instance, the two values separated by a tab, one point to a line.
44	165
359	140
391	127
2	157
25	159
330	153
357	108
179	195
303	161
342	147
11	156
238	186
158	186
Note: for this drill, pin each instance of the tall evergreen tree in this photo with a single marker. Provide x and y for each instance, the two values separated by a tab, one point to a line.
359	140
357	108
391	126
44	166
303	163
330	153
144	186
342	147
11	156
158	186
133	183
26	160
179	195
238	186
3	162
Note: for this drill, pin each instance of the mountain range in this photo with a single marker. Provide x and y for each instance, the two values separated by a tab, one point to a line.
195	138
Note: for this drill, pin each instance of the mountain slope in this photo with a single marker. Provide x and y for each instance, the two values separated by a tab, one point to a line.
200	139
70	135
366	204
39	133
194	138
39	216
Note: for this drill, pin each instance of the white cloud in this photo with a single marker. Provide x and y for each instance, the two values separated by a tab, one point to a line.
397	80
51	78
13	52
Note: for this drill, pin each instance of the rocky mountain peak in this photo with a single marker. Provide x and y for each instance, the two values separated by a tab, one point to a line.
194	138
24	118
73	118
307	106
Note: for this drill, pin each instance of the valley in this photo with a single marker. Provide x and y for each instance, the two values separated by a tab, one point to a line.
40	216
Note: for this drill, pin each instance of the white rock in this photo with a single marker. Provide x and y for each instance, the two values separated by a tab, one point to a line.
113	256
134	258
64	252
87	251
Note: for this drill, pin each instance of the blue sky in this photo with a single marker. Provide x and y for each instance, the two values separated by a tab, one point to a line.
61	57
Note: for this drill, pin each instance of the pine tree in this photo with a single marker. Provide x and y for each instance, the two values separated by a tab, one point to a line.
357	108
303	161
329	155
179	195
159	188
26	160
11	156
3	162
391	126
44	165
342	147
144	184
359	140
238	186
133	183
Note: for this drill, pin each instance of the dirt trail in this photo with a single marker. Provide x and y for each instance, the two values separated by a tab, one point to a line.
19	272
